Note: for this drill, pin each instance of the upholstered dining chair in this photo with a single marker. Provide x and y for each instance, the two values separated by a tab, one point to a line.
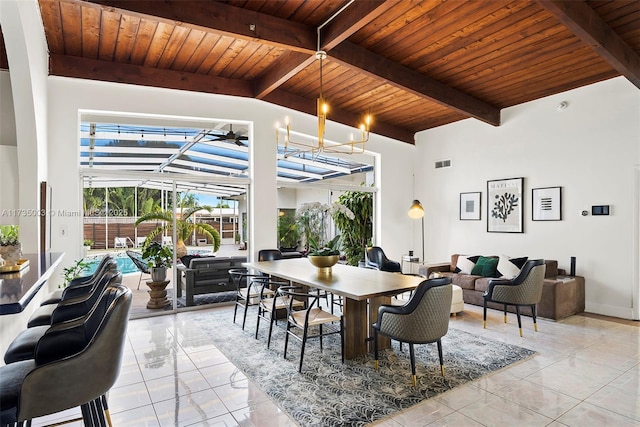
423	320
307	318
140	264
376	258
523	290
269	254
42	386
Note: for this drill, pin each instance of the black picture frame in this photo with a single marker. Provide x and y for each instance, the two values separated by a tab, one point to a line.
505	205
470	206
546	204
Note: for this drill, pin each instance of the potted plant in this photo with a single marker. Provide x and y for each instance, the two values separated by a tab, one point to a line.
87	245
324	256
158	258
10	247
73	271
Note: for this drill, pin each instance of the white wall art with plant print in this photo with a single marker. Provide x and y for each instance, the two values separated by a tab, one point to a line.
504	205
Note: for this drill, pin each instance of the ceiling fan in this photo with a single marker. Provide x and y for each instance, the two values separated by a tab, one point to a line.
232	136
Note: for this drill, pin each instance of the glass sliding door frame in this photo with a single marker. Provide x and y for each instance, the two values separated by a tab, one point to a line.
171	180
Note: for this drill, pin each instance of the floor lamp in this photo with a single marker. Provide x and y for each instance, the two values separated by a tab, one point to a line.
417	211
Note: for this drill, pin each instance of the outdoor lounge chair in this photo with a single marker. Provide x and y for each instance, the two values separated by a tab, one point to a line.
139	262
140	241
120	242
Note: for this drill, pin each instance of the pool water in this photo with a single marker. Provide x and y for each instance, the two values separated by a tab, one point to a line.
125	265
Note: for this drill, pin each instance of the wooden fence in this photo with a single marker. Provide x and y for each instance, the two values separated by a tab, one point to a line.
103	231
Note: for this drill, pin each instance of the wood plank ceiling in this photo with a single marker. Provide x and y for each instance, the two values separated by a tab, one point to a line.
414	65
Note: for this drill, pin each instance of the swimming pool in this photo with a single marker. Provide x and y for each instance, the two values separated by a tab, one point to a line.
125	265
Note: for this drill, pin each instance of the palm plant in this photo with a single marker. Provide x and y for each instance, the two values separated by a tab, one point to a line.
185	227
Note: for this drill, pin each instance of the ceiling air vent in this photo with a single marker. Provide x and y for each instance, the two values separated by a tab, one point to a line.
443	164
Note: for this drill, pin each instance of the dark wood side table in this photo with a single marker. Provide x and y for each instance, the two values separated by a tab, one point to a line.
157	294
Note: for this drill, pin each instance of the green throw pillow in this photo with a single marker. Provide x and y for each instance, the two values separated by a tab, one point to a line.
485	267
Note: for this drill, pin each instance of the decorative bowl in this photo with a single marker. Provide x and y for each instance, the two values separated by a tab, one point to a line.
324	261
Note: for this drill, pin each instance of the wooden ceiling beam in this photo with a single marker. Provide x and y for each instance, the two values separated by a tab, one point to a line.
356	16
94	69
299	103
4	62
587	25
287	66
221	18
404	78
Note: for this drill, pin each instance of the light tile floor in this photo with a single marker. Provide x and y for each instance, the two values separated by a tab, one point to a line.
587	373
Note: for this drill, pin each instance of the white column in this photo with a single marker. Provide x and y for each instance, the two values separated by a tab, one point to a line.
28	64
263	196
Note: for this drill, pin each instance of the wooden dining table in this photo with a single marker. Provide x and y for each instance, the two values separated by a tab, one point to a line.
363	291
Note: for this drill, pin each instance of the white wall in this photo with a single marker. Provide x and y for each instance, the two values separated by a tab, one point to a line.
7	117
8	189
68	96
28	56
8	153
591	149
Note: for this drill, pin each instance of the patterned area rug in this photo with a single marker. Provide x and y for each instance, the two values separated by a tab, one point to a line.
328	393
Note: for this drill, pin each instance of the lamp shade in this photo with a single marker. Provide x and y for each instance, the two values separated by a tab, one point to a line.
416	210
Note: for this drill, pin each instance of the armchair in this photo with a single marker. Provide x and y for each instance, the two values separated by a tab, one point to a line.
423	320
523	290
376	258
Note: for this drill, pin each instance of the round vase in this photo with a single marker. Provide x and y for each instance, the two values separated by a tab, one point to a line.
324	262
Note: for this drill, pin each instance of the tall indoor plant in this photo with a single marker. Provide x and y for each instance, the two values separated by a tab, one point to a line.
356	231
288	233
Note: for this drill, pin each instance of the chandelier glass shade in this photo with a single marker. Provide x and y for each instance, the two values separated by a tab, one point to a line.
316	146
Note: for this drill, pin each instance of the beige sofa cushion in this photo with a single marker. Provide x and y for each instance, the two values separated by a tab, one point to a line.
465	281
482	284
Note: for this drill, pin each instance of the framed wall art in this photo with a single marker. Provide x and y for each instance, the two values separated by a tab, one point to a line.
546	204
470	206
504	205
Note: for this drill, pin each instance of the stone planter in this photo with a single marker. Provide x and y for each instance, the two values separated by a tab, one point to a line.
11	254
158	274
157	294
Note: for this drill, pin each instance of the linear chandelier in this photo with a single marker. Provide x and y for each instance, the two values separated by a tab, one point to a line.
353	146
